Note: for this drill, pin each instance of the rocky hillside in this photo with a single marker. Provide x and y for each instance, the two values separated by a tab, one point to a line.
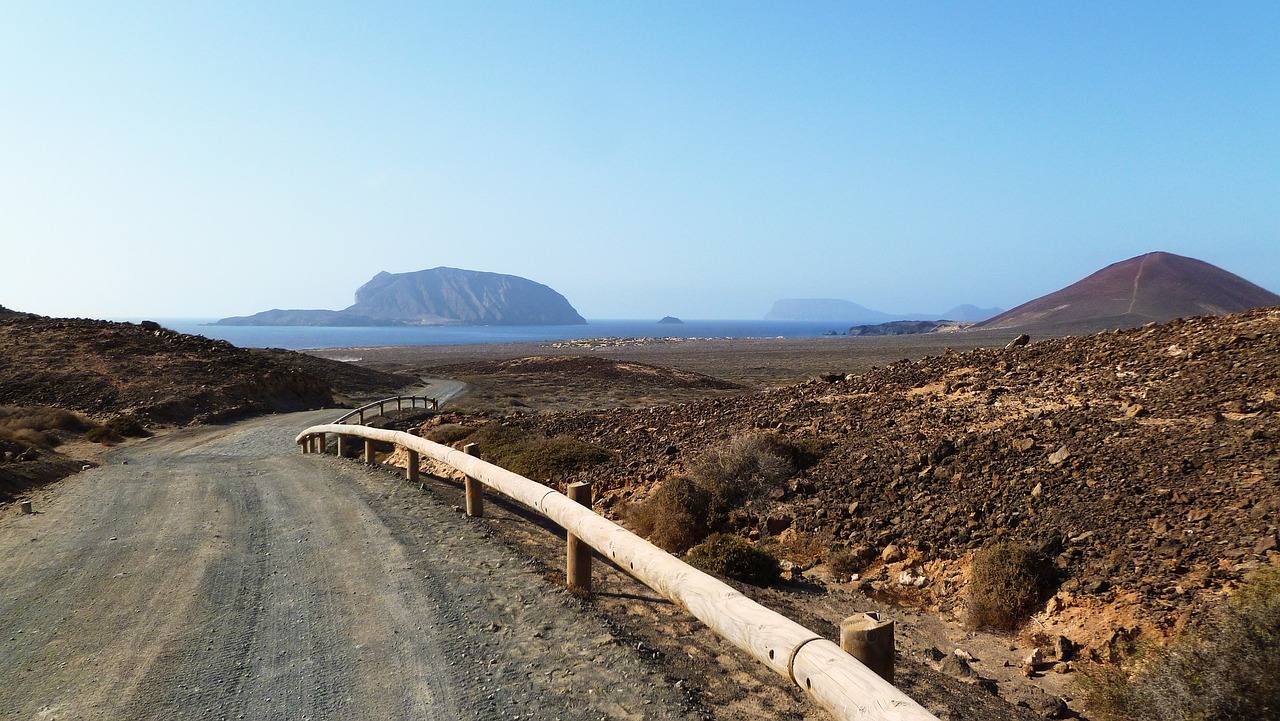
1145	463
440	296
1155	287
155	375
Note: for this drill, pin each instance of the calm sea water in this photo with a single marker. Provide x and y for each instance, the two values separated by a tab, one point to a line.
300	338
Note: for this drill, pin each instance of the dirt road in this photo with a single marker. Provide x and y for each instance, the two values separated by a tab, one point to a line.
216	573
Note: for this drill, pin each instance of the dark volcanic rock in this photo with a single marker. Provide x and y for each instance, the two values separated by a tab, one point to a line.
1156	287
898	327
1152	514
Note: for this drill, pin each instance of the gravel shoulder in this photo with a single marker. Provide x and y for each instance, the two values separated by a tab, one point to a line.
216	573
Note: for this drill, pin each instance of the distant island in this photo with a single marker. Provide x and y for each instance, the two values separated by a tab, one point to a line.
439	296
832	310
671	320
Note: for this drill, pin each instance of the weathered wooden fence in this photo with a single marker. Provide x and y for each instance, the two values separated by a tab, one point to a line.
382	406
836	680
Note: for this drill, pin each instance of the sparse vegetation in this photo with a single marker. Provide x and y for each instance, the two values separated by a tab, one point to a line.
736	558
675	515
447	433
1228	668
1005	585
686	508
35	426
845	563
530	455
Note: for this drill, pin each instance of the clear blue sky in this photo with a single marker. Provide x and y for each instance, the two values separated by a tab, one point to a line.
697	159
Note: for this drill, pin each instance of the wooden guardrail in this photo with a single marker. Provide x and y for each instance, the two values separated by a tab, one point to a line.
382	405
836	680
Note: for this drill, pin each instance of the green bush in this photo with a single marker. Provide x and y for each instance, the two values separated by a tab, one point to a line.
1228	668
736	558
1005	585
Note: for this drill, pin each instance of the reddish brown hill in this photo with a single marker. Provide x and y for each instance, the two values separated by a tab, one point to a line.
1153	287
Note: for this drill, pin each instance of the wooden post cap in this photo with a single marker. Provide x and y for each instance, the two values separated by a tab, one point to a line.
870	640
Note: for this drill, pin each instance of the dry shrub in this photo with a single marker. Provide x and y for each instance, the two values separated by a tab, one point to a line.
555	457
801	549
736	558
1228	668
685	509
447	433
744	468
1005	585
845	563
675	516
528	454
33	426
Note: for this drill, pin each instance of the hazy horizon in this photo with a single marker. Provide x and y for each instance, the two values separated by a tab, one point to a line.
695	160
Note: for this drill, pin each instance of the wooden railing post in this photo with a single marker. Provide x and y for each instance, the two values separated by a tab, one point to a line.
411	466
368	451
302	446
578	556
342	446
474	488
322	444
871	641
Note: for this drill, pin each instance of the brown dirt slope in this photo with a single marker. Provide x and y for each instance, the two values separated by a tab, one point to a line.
156	375
1153	287
1144	462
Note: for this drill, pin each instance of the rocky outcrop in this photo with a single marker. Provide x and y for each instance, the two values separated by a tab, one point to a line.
1156	287
901	327
671	320
440	296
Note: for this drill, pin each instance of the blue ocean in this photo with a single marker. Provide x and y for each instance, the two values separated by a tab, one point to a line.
302	337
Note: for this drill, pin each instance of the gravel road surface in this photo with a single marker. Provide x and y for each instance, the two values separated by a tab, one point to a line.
216	573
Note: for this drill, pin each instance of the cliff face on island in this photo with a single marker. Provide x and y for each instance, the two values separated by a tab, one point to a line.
439	296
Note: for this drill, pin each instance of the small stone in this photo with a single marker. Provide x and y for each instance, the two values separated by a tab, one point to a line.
1264	544
891	553
1020	341
1039	489
1060	455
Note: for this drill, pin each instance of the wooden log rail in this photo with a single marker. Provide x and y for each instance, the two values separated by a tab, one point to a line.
833	678
382	405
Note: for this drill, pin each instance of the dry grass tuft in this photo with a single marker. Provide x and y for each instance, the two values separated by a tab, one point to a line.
1005	585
